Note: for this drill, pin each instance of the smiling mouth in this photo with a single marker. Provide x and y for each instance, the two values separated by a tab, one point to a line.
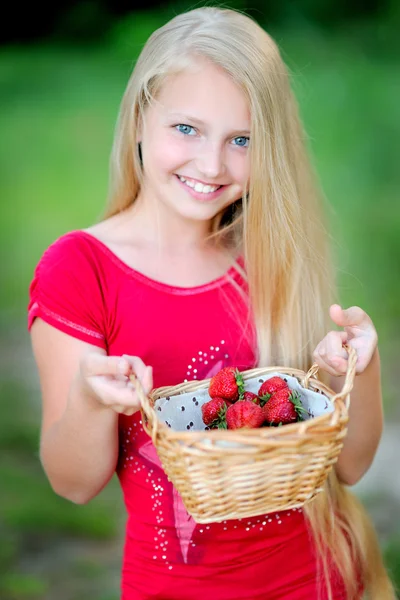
199	187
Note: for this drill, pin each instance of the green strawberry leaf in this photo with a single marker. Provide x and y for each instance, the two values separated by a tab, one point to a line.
240	383
220	421
264	399
295	399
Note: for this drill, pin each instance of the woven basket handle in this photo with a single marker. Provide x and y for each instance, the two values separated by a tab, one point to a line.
349	378
150	423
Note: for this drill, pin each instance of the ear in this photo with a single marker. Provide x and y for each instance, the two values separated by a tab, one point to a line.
139	130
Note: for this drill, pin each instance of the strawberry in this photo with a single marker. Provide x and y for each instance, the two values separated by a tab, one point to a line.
214	412
284	407
244	413
227	383
250	396
272	385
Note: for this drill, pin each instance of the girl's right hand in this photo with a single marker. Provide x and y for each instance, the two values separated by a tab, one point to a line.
105	380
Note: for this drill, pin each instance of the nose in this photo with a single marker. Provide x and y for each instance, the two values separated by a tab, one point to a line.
211	161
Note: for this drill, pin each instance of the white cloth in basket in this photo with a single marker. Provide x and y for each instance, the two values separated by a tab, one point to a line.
183	412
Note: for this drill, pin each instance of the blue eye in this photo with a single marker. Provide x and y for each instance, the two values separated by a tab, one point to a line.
244	141
184	129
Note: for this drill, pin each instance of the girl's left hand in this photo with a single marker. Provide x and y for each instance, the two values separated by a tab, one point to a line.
359	332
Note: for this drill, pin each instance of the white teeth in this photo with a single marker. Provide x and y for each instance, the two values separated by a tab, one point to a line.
199	187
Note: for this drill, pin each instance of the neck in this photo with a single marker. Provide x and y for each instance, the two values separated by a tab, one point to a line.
169	232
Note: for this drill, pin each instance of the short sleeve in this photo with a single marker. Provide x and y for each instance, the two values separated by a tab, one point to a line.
66	291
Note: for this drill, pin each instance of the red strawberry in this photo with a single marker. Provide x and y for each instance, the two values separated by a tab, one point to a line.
252	397
272	385
283	407
244	413
227	383
214	412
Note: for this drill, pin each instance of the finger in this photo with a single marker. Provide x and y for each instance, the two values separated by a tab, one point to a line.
330	352
136	364
365	348
338	369
123	410
129	411
93	364
353	316
148	380
333	345
112	395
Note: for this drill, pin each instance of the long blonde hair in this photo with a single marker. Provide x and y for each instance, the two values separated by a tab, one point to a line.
278	227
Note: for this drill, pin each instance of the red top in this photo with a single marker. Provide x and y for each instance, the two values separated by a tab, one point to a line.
83	289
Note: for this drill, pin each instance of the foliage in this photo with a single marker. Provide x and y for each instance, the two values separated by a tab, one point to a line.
58	110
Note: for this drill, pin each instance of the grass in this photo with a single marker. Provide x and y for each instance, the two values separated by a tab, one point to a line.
33	519
38	509
58	110
392	558
57	120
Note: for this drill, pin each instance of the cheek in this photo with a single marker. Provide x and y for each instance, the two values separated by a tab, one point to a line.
240	169
168	154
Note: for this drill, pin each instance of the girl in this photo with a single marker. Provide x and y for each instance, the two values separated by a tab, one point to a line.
211	253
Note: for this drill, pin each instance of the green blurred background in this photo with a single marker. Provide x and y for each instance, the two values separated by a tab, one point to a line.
62	74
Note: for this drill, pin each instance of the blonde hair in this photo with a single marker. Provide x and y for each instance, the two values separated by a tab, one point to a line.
278	227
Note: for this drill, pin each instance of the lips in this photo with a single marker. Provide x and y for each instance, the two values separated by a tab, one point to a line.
204	197
194	180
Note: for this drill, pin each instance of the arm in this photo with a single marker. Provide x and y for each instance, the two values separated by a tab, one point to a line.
83	390
365	423
366	412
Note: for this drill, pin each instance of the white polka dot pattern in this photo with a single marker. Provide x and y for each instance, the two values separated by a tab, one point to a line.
183	412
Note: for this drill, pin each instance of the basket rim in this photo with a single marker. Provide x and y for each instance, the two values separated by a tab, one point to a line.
160	392
262	433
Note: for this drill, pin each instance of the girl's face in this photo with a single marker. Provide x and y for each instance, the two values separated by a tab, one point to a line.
195	142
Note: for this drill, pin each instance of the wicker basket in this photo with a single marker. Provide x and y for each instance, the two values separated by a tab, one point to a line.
232	474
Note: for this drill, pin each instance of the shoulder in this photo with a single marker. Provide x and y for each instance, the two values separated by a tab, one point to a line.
68	244
67	288
76	251
71	262
92	249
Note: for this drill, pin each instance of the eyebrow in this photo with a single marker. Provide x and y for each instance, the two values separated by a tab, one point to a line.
199	122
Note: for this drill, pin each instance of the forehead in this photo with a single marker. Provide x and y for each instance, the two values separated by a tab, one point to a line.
206	92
